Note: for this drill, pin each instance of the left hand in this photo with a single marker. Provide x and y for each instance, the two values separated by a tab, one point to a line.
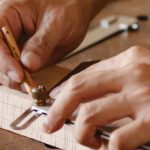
108	91
45	30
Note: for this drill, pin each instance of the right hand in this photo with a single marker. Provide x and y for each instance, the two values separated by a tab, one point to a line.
45	31
108	91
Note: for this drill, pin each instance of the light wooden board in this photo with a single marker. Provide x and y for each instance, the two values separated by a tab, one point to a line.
13	103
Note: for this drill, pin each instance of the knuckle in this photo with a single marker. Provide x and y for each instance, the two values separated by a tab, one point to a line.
87	113
41	47
144	123
75	83
144	91
136	50
41	42
123	99
116	140
139	71
6	10
7	6
73	88
138	98
58	16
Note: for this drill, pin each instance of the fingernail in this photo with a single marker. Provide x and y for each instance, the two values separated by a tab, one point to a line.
46	126
52	123
13	75
4	79
31	61
22	87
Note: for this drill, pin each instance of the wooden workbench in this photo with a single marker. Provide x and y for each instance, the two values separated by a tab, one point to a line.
108	48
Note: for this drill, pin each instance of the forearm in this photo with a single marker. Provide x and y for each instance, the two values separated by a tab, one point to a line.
92	7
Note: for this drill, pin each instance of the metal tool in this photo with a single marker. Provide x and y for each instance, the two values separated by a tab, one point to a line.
108	27
43	110
35	110
38	110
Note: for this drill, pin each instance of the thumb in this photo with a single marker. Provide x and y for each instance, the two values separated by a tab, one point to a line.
38	49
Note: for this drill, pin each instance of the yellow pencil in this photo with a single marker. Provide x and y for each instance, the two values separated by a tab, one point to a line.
10	40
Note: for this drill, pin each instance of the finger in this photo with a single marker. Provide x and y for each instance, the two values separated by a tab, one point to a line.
57	90
38	49
130	136
7	17
10	67
11	71
96	114
27	18
4	80
90	140
24	21
79	89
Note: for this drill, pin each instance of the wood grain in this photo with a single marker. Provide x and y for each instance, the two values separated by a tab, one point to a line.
13	103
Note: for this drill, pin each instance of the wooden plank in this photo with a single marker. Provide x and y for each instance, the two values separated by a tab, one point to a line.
13	103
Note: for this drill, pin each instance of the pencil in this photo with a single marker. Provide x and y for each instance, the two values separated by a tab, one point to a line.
14	49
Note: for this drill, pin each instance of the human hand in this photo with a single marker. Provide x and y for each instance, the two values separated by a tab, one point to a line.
110	90
45	31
